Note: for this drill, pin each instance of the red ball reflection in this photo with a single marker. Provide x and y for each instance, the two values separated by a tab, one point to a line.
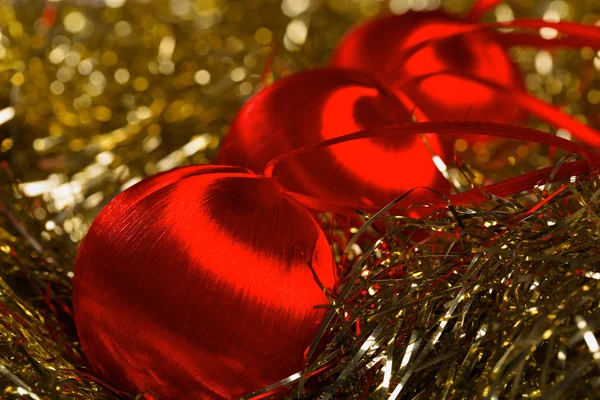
437	60
309	107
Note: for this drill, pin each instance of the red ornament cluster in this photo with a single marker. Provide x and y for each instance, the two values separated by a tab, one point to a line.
203	282
419	65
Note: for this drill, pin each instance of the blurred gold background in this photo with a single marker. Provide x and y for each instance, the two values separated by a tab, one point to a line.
107	92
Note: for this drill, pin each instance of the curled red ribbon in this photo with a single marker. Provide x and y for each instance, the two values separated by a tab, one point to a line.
504	188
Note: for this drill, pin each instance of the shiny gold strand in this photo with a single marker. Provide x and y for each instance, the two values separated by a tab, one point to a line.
97	94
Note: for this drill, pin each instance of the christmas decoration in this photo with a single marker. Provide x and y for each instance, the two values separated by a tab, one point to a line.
309	107
458	68
200	283
440	317
493	295
420	52
390	325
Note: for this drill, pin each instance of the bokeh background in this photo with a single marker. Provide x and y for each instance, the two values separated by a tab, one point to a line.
107	92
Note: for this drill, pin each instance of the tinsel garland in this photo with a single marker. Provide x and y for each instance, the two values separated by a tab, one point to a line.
505	305
497	299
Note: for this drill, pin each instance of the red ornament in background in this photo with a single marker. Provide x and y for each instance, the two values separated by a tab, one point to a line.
421	53
194	284
309	107
458	68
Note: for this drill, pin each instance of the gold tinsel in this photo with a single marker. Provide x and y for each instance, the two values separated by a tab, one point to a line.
97	94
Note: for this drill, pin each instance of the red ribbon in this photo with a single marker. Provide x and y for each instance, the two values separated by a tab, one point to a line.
504	188
532	105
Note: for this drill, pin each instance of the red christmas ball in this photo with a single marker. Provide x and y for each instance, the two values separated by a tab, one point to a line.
195	284
309	107
439	61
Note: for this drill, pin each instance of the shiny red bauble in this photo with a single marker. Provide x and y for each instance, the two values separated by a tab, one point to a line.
196	284
439	61
309	107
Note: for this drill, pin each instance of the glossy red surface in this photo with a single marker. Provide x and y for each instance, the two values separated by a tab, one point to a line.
194	284
309	107
421	53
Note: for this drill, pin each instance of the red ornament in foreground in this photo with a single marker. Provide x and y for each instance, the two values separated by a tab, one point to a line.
194	284
309	107
437	60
